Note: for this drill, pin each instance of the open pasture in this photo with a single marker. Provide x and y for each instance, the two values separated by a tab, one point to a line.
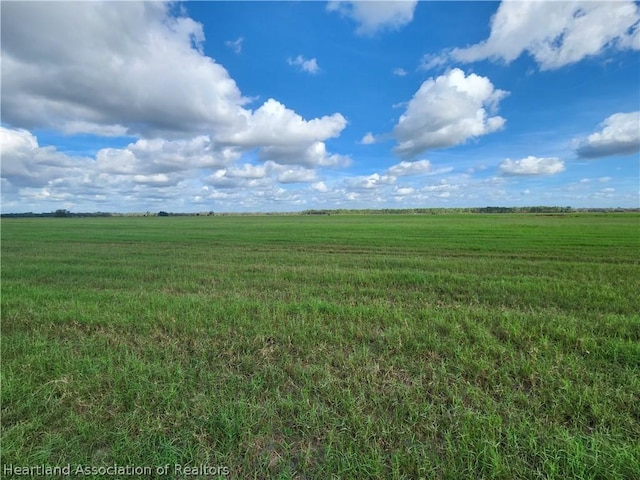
344	346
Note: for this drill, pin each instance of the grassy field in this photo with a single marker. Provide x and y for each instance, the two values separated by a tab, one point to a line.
405	346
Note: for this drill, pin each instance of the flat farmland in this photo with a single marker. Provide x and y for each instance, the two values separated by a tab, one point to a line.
453	346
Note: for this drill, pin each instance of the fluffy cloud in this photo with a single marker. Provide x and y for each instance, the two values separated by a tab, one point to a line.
275	125
255	195
226	179
163	156
370	181
282	173
620	135
532	166
556	33
42	175
373	17
447	111
403	191
305	65
26	164
65	67
419	167
297	175
283	136
248	171
320	187
315	155
144	174
368	139
443	189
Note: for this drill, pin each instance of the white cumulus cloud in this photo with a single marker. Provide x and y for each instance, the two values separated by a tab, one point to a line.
404	168
248	171
315	155
620	135
447	111
370	181
27	164
320	187
297	175
43	174
66	68
368	139
402	191
162	156
556	33
375	16
275	125
532	166
304	64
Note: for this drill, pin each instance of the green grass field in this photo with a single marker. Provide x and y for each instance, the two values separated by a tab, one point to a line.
344	346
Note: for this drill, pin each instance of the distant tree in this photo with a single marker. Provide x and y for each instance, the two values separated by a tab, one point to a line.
62	213
163	214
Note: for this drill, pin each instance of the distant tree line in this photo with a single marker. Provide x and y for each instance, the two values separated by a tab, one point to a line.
440	211
57	214
63	213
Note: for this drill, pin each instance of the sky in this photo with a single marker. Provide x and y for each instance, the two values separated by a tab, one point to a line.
288	106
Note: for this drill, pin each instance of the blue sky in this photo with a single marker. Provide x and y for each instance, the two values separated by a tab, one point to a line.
287	106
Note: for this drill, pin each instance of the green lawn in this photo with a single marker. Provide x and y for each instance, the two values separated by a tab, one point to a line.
316	347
